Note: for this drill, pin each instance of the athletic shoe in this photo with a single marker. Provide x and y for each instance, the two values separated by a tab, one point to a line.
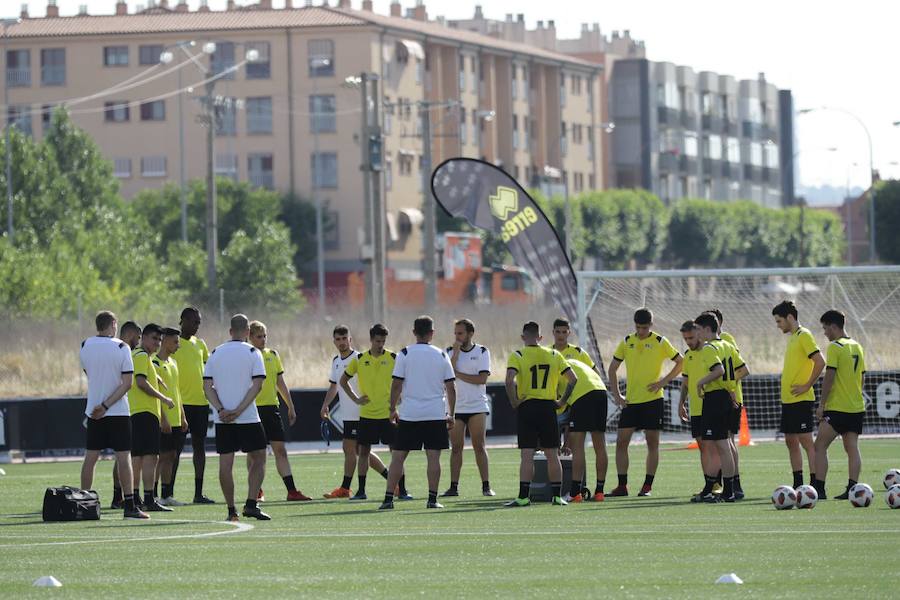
155	506
517	502
404	497
434	505
645	491
619	491
717	488
337	492
557	501
260	497
698	497
739	495
598	497
488	492
711	498
170	501
136	514
297	496
576	498
117	505
233	518
386	506
138	503
844	496
359	496
203	500
451	492
256	513
730	498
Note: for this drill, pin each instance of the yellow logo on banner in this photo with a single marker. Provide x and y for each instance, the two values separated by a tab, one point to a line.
504	204
506	201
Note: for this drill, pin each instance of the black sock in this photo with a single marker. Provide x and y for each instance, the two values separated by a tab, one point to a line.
623	480
361	484
166	490
524	489
432	497
812	477
850	483
728	492
454	485
250	503
599	488
156	490
388	497
556	487
798	478
719	477
574	488
648	480
708	485
819	484
737	483
117	494
198	487
485	485
402	485
289	483
128	502
137	494
232	511
148	497
384	473
346	482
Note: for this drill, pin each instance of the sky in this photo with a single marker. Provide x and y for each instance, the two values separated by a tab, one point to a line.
830	53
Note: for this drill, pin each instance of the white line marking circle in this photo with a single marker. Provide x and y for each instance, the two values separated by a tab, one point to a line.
238	528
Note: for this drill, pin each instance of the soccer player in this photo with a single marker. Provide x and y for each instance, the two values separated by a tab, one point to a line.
107	363
643	353
424	377
472	366
269	415
588	415
690	408
130	333
147	418
172	443
718	404
349	411
191	356
803	363
561	333
232	379
842	408
373	370
532	378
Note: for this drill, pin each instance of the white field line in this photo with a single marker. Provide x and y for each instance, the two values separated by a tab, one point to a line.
237	528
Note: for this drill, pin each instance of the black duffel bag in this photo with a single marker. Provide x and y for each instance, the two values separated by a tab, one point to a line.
71	504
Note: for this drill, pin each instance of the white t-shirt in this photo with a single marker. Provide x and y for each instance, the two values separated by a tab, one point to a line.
104	360
424	369
232	367
348	409
471	398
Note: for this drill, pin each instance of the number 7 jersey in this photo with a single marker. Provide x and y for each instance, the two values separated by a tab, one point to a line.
537	372
847	359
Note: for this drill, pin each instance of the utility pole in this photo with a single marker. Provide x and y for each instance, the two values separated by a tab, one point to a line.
9	186
316	196
374	146
212	236
181	190
429	245
367	253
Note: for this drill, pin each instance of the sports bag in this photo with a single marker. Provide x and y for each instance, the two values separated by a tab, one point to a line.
71	504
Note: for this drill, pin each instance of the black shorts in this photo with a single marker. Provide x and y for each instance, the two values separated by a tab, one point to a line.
843	422
797	417
589	412
109	432
197	420
536	424
717	410
696	427
734	421
246	437
271	422
464	417
414	435
144	434
646	415
351	430
376	431
172	441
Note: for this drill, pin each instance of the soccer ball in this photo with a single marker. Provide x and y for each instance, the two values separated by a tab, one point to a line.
784	497
892	497
861	495
807	496
891	478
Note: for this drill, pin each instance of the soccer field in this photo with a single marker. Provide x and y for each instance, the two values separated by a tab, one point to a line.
661	546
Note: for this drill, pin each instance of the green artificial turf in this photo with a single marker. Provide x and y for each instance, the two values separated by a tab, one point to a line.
661	546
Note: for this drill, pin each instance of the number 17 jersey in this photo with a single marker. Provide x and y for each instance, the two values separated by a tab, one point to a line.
537	372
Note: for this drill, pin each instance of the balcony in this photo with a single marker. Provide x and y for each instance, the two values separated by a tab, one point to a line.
711	123
726	170
53	75
771	175
668	162
753	173
712	167
689	120
18	77
263	180
752	130
688	163
730	127
667	116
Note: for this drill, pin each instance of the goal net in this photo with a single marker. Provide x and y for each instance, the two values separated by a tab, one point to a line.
868	296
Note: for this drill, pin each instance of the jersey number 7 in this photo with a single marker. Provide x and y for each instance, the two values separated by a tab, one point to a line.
534	376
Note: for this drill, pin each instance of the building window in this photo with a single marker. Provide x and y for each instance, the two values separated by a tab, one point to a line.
420	71
259	115
712	147
18	68
752	110
462	73
47	117
756	154
706	103
388	174
516	172
463	136
115	56
122	168
153	166
262	67
20	118
153	111
226	117
514	87
260	170
332	238
405	159
321	58
592	182
690	145
149	54
324	170
227	166
734	150
223	60
772	156
117	111
322	114
53	66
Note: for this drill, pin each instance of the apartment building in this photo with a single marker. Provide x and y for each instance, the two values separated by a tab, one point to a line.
288	121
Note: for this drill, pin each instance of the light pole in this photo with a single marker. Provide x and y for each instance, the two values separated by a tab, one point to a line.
316	63
9	186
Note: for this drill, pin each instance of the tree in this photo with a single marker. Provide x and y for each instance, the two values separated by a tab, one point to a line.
698	233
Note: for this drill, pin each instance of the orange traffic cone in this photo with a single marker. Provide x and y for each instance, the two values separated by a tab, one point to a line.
692	446
744	432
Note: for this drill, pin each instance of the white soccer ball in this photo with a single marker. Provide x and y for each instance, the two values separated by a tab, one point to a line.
784	497
892	497
891	478
807	496
861	495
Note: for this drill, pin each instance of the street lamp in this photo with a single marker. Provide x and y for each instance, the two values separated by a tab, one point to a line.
9	187
317	63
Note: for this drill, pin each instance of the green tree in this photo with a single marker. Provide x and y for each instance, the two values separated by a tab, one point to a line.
699	233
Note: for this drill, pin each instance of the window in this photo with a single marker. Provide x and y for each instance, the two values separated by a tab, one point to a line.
322	114
515	82
563	140
153	166
524	82
474	74
115	56
223	59
117	111
405	159
324	170
515	126
47	117
509	282
516	172
262	67
226	117
18	68
712	147
667	95
420	71
260	170
259	115
149	54
388	174
463	136
592	184
756	154
331	237
53	66
772	156
321	58
562	89
462	73
751	109
690	145
20	118
706	103
733	150
122	168
227	166
153	111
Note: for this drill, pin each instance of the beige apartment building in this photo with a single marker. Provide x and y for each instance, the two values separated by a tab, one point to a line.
509	103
